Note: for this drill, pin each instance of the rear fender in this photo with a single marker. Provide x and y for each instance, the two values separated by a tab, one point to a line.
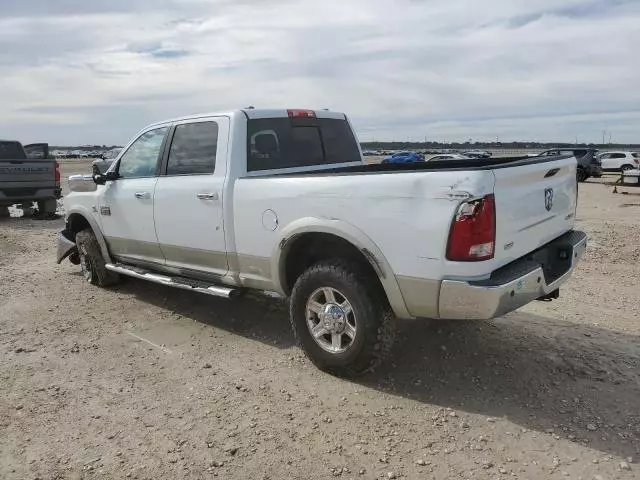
351	234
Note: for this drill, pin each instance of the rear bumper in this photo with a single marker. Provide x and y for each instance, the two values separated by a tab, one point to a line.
514	285
11	196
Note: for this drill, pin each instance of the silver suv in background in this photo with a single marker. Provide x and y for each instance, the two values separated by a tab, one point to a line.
619	161
107	158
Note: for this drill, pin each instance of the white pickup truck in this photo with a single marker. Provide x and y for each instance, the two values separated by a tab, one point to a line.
280	201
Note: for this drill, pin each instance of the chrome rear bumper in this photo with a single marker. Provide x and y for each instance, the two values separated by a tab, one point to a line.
514	285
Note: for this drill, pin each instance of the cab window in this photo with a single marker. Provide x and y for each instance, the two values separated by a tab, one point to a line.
141	158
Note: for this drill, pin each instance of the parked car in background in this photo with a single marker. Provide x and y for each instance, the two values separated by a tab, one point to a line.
107	158
281	201
28	174
477	154
449	156
404	157
619	161
588	162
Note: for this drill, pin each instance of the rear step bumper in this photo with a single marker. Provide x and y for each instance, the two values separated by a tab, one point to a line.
535	276
176	282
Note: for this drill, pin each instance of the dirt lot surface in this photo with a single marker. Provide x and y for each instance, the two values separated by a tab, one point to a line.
145	382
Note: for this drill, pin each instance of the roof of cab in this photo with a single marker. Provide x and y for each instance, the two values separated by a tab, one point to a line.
251	113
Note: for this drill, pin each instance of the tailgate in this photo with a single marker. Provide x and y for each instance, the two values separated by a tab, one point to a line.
41	172
535	203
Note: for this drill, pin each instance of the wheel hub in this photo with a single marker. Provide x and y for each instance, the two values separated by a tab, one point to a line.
334	318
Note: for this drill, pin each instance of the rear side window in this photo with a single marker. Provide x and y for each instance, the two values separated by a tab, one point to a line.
11	151
193	149
275	143
618	155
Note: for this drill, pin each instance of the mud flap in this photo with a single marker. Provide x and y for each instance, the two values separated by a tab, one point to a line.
66	248
550	296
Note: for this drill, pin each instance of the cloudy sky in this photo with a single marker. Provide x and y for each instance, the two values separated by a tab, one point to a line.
81	71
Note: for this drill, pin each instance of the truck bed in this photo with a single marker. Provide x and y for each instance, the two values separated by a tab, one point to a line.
439	165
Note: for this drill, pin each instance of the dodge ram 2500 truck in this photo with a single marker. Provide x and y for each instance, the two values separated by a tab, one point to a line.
28	174
281	201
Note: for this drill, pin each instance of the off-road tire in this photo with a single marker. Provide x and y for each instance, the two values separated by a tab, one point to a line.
89	251
375	321
581	175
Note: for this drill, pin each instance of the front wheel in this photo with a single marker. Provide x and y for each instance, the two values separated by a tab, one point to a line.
339	317
92	262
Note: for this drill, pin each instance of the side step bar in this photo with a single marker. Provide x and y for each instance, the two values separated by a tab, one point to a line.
177	282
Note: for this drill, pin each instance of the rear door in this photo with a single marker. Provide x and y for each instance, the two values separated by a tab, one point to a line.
535	204
188	198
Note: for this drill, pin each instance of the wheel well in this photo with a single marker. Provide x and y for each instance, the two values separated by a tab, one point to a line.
311	248
76	223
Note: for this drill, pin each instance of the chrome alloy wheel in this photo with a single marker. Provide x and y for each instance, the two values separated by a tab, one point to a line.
331	320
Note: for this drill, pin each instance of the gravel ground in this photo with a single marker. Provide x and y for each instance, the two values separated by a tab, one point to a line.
145	382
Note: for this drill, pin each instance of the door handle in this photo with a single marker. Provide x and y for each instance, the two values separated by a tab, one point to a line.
143	195
207	196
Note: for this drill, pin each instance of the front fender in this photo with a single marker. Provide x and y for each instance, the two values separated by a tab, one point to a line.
86	214
351	234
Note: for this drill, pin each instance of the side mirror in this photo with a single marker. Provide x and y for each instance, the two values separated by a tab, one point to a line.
111	176
98	177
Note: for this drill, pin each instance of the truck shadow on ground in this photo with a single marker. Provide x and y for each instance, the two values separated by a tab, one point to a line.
540	373
572	380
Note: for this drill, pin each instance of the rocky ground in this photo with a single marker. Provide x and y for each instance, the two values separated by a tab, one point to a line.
146	382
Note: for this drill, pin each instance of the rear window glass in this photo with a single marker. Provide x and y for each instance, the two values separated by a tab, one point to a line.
579	153
636	155
275	143
193	150
11	151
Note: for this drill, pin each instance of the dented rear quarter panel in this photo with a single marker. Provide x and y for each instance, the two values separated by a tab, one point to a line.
407	215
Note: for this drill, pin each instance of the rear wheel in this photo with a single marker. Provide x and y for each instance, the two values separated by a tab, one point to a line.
581	175
340	319
624	168
92	262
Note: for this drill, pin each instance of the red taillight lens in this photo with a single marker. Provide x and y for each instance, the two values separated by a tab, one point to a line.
636	161
473	232
57	171
298	113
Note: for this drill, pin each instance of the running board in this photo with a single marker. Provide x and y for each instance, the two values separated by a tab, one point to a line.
176	282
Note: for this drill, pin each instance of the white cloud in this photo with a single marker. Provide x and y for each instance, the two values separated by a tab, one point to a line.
545	70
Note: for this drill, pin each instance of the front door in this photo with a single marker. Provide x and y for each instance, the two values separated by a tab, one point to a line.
126	208
188	204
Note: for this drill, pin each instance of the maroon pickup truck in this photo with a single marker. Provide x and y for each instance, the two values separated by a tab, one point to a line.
28	174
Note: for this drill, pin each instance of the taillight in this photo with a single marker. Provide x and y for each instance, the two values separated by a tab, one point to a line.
473	232
636	161
57	174
298	113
